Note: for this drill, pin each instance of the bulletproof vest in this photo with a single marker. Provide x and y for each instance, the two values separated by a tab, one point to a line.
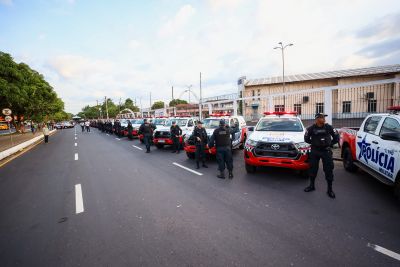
147	130
222	137
202	134
320	137
174	130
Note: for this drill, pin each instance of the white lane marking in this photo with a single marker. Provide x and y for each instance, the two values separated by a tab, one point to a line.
76	137
118	139
78	199
76	144
186	168
76	156
385	251
137	147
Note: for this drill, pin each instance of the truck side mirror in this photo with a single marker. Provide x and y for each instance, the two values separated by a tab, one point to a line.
393	136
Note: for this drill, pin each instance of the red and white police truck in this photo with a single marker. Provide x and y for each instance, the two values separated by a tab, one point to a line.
277	141
375	147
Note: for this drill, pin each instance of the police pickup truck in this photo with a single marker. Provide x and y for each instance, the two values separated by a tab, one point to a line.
375	147
162	135
236	123
277	141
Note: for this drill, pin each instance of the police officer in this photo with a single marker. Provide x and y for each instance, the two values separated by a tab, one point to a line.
200	140
321	136
130	129
221	138
176	132
147	130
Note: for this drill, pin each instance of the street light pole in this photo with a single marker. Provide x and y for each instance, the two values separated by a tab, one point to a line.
201	102
189	90
282	48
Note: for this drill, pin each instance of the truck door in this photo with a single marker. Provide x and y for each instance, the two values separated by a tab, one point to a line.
389	156
367	142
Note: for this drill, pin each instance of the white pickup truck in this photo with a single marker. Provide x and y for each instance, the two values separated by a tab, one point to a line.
375	147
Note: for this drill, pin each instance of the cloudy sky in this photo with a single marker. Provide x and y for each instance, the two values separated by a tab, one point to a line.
88	49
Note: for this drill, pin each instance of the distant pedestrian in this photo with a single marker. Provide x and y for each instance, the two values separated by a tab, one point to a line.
82	124
32	128
46	133
87	125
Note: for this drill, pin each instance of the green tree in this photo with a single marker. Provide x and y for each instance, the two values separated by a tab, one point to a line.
129	104
157	105
26	92
175	102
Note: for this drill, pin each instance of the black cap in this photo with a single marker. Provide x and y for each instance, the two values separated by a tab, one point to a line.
320	115
222	122
199	122
145	120
173	122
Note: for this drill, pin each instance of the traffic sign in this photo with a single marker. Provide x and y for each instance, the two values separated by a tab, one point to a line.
8	118
6	111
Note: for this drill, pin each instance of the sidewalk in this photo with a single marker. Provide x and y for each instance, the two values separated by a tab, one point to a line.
5	141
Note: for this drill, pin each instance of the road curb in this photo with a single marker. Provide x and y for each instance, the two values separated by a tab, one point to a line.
8	152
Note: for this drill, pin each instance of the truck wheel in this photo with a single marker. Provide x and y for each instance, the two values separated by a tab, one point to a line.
397	187
159	146
190	155
250	168
348	162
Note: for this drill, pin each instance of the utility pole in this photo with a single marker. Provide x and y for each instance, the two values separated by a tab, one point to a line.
119	106
105	98
201	102
282	48
97	106
172	93
150	103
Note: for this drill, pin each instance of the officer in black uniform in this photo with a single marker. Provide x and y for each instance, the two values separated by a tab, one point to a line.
321	136
147	130
222	139
130	129
176	132
200	140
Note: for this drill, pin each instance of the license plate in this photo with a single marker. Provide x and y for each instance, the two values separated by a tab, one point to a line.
161	141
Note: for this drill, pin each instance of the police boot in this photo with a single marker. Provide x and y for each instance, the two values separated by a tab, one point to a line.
204	165
311	187
221	175
230	175
330	192
197	165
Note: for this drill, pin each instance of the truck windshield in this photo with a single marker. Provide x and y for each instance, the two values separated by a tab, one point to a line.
280	125
213	123
159	121
179	122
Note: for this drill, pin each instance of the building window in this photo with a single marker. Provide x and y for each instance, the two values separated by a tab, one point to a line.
371	105
297	108
346	106
279	108
319	108
253	93
258	93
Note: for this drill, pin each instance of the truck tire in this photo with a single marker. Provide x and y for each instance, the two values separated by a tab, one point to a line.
190	155
250	168
397	187
159	146
348	162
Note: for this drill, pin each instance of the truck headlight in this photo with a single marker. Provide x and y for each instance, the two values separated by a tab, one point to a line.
302	145
250	142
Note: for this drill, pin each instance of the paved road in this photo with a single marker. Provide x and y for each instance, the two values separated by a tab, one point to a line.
142	210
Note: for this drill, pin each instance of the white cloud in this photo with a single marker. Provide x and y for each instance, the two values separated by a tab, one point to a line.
178	21
6	2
